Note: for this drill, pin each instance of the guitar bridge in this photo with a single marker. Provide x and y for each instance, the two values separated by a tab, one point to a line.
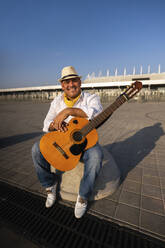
60	150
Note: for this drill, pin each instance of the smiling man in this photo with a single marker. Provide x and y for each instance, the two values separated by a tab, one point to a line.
72	103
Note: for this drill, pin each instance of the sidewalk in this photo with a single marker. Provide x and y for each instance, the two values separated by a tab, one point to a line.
134	135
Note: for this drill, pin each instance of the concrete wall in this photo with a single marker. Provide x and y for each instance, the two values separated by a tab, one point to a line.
106	94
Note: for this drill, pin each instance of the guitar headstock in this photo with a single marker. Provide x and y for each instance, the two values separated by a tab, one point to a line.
132	90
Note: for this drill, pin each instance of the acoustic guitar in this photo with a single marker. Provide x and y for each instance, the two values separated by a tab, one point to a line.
64	149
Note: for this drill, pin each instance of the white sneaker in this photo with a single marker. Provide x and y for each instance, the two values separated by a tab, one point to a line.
51	196
80	207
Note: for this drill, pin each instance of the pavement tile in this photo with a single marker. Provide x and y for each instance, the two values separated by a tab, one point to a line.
22	168
147	165
163	195
130	198
15	166
18	177
3	170
160	153
161	167
160	150
135	175
150	160
150	166
151	180
132	186
9	174
162	173
151	190
160	158
137	170
152	204
162	181
150	172
128	214
36	187
105	207
153	223
6	165
115	196
29	181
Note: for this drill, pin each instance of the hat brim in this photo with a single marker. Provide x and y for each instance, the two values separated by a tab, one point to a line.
62	79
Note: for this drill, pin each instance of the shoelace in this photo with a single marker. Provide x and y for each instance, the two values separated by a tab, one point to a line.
49	191
82	201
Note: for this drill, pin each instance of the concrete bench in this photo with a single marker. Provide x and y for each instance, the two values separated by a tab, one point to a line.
106	183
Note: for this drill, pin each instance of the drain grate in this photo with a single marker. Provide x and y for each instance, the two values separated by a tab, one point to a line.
57	226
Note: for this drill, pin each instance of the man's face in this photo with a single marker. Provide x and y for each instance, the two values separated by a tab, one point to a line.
71	87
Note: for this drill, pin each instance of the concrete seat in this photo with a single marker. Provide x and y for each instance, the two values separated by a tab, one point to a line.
106	183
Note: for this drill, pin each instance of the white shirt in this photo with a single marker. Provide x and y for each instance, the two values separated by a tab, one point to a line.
89	103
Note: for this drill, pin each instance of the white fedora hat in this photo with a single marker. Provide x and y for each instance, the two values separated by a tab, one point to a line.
68	72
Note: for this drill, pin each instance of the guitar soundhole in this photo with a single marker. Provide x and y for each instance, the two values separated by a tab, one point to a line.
77	136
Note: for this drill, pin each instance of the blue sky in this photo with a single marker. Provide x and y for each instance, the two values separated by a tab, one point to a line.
39	37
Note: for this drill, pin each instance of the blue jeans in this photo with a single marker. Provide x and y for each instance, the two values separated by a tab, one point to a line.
92	159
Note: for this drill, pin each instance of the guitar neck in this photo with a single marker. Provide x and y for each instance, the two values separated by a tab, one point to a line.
104	115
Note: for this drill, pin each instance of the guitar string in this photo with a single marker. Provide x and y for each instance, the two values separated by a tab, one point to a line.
99	118
103	115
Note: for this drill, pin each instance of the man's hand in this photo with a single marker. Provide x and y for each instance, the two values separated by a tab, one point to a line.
59	123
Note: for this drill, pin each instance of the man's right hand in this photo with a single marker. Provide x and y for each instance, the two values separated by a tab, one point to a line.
55	127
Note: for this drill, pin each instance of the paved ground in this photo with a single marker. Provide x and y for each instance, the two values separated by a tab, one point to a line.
135	137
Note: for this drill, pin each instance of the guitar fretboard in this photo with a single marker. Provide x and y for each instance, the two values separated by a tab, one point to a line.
104	115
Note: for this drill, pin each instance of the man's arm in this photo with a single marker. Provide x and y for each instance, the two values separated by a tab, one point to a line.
59	124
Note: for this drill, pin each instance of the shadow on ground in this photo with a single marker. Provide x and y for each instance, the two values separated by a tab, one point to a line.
131	151
15	139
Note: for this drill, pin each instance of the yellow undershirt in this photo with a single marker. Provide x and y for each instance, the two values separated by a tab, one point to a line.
70	102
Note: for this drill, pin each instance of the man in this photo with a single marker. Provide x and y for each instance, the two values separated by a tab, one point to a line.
72	103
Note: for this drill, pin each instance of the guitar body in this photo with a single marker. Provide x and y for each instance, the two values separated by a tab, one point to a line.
64	149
